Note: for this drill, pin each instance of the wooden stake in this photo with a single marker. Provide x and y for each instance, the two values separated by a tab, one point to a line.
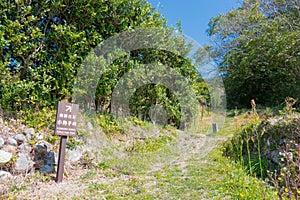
61	158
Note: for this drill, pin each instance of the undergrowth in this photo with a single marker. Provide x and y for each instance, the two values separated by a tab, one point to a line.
267	147
210	177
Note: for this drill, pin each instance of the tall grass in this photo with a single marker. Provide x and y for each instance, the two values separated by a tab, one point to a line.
268	147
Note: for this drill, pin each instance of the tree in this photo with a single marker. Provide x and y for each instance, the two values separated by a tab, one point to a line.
258	51
44	42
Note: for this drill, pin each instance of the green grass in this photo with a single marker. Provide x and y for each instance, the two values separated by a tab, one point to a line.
151	144
217	178
201	176
211	177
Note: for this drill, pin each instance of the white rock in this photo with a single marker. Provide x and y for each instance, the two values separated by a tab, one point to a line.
29	137
75	154
5	176
25	148
6	130
29	131
9	148
13	122
5	157
23	163
20	138
1	142
40	136
12	141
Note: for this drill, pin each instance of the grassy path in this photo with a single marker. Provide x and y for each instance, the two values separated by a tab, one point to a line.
172	173
191	167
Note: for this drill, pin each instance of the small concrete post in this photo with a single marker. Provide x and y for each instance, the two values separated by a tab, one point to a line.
215	127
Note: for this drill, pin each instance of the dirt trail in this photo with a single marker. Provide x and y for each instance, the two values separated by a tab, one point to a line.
187	147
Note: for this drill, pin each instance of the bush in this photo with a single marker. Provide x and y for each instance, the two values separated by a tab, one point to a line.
269	144
264	139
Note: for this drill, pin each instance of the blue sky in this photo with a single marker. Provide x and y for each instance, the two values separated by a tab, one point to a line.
193	14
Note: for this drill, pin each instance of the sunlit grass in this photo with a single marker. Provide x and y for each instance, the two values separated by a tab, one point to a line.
160	168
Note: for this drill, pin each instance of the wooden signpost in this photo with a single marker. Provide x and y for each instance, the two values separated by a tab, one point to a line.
66	125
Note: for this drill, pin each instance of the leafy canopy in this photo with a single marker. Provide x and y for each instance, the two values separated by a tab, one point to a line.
258	51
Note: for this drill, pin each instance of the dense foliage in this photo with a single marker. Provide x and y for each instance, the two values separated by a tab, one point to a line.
258	51
151	95
44	43
267	146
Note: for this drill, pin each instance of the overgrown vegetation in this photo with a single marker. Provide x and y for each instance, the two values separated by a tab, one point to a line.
268	147
44	44
258	51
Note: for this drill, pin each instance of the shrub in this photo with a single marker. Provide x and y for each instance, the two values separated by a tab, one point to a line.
257	145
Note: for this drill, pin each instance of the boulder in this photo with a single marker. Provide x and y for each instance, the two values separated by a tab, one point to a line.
20	138
47	144
12	141
9	148
1	142
25	148
75	154
5	176
46	169
41	149
47	164
23	163
29	132
13	122
50	159
38	163
6	131
5	157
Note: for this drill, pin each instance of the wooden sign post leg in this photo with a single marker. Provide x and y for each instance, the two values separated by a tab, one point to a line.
61	158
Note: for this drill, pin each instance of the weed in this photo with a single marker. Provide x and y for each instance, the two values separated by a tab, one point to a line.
41	120
96	186
287	181
41	177
108	124
103	165
72	143
259	143
88	175
150	144
18	188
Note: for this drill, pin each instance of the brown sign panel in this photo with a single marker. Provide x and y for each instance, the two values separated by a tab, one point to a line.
66	119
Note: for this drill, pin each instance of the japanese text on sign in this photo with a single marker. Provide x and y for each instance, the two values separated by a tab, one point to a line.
66	119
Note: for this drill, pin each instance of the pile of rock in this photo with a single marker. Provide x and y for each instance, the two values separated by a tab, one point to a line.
23	151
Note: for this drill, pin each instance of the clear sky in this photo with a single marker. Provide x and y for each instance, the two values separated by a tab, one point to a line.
193	14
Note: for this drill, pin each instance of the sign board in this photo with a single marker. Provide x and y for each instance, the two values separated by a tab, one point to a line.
66	119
